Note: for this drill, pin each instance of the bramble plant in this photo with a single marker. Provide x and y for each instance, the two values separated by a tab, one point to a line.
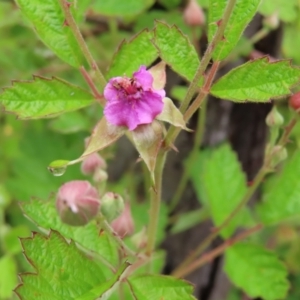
97	238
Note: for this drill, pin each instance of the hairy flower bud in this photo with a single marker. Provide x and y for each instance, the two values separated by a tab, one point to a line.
77	202
279	154
124	225
92	163
112	206
274	118
294	101
193	14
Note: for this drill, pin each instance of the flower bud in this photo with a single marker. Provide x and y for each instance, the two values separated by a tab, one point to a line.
124	225
140	239
112	206
193	14
294	101
92	163
274	118
100	176
77	202
279	154
272	21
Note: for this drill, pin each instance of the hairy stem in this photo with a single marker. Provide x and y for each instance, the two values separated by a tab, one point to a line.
155	202
86	52
207	257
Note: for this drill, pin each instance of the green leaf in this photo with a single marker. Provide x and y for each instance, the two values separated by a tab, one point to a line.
43	98
281	194
225	186
291	41
169	4
119	8
176	50
257	81
62	271
242	14
148	287
8	278
132	54
48	21
44	214
285	10
257	271
105	289
178	92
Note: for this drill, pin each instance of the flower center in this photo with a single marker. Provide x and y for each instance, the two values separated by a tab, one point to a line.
129	87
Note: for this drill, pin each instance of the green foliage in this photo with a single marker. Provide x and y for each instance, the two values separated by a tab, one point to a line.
257	81
222	170
291	40
116	8
242	14
257	271
8	278
48	21
141	51
285	10
148	287
281	197
44	214
43	98
62	271
176	50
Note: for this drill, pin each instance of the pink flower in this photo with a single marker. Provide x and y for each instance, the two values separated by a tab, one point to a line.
123	225
77	202
133	101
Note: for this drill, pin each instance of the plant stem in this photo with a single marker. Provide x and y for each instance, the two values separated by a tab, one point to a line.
92	86
155	202
287	131
208	55
106	227
86	52
191	159
205	258
258	179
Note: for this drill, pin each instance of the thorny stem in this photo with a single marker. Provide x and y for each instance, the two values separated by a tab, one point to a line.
191	159
92	86
207	257
86	52
155	202
258	179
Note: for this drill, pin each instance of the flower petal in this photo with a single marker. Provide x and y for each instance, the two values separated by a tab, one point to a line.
144	77
158	73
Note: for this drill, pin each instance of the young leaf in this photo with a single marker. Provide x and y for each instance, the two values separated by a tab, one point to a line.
285	10
62	271
48	20
8	277
176	50
281	197
43	98
257	271
225	186
132	54
257	81
242	14
44	214
148	287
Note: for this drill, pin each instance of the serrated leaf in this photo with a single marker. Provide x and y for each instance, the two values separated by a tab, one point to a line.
257	81
225	186
257	271
241	16
104	290
62	271
285	10
176	50
132	54
281	194
43	98
48	21
149	287
119	8
44	214
8	276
